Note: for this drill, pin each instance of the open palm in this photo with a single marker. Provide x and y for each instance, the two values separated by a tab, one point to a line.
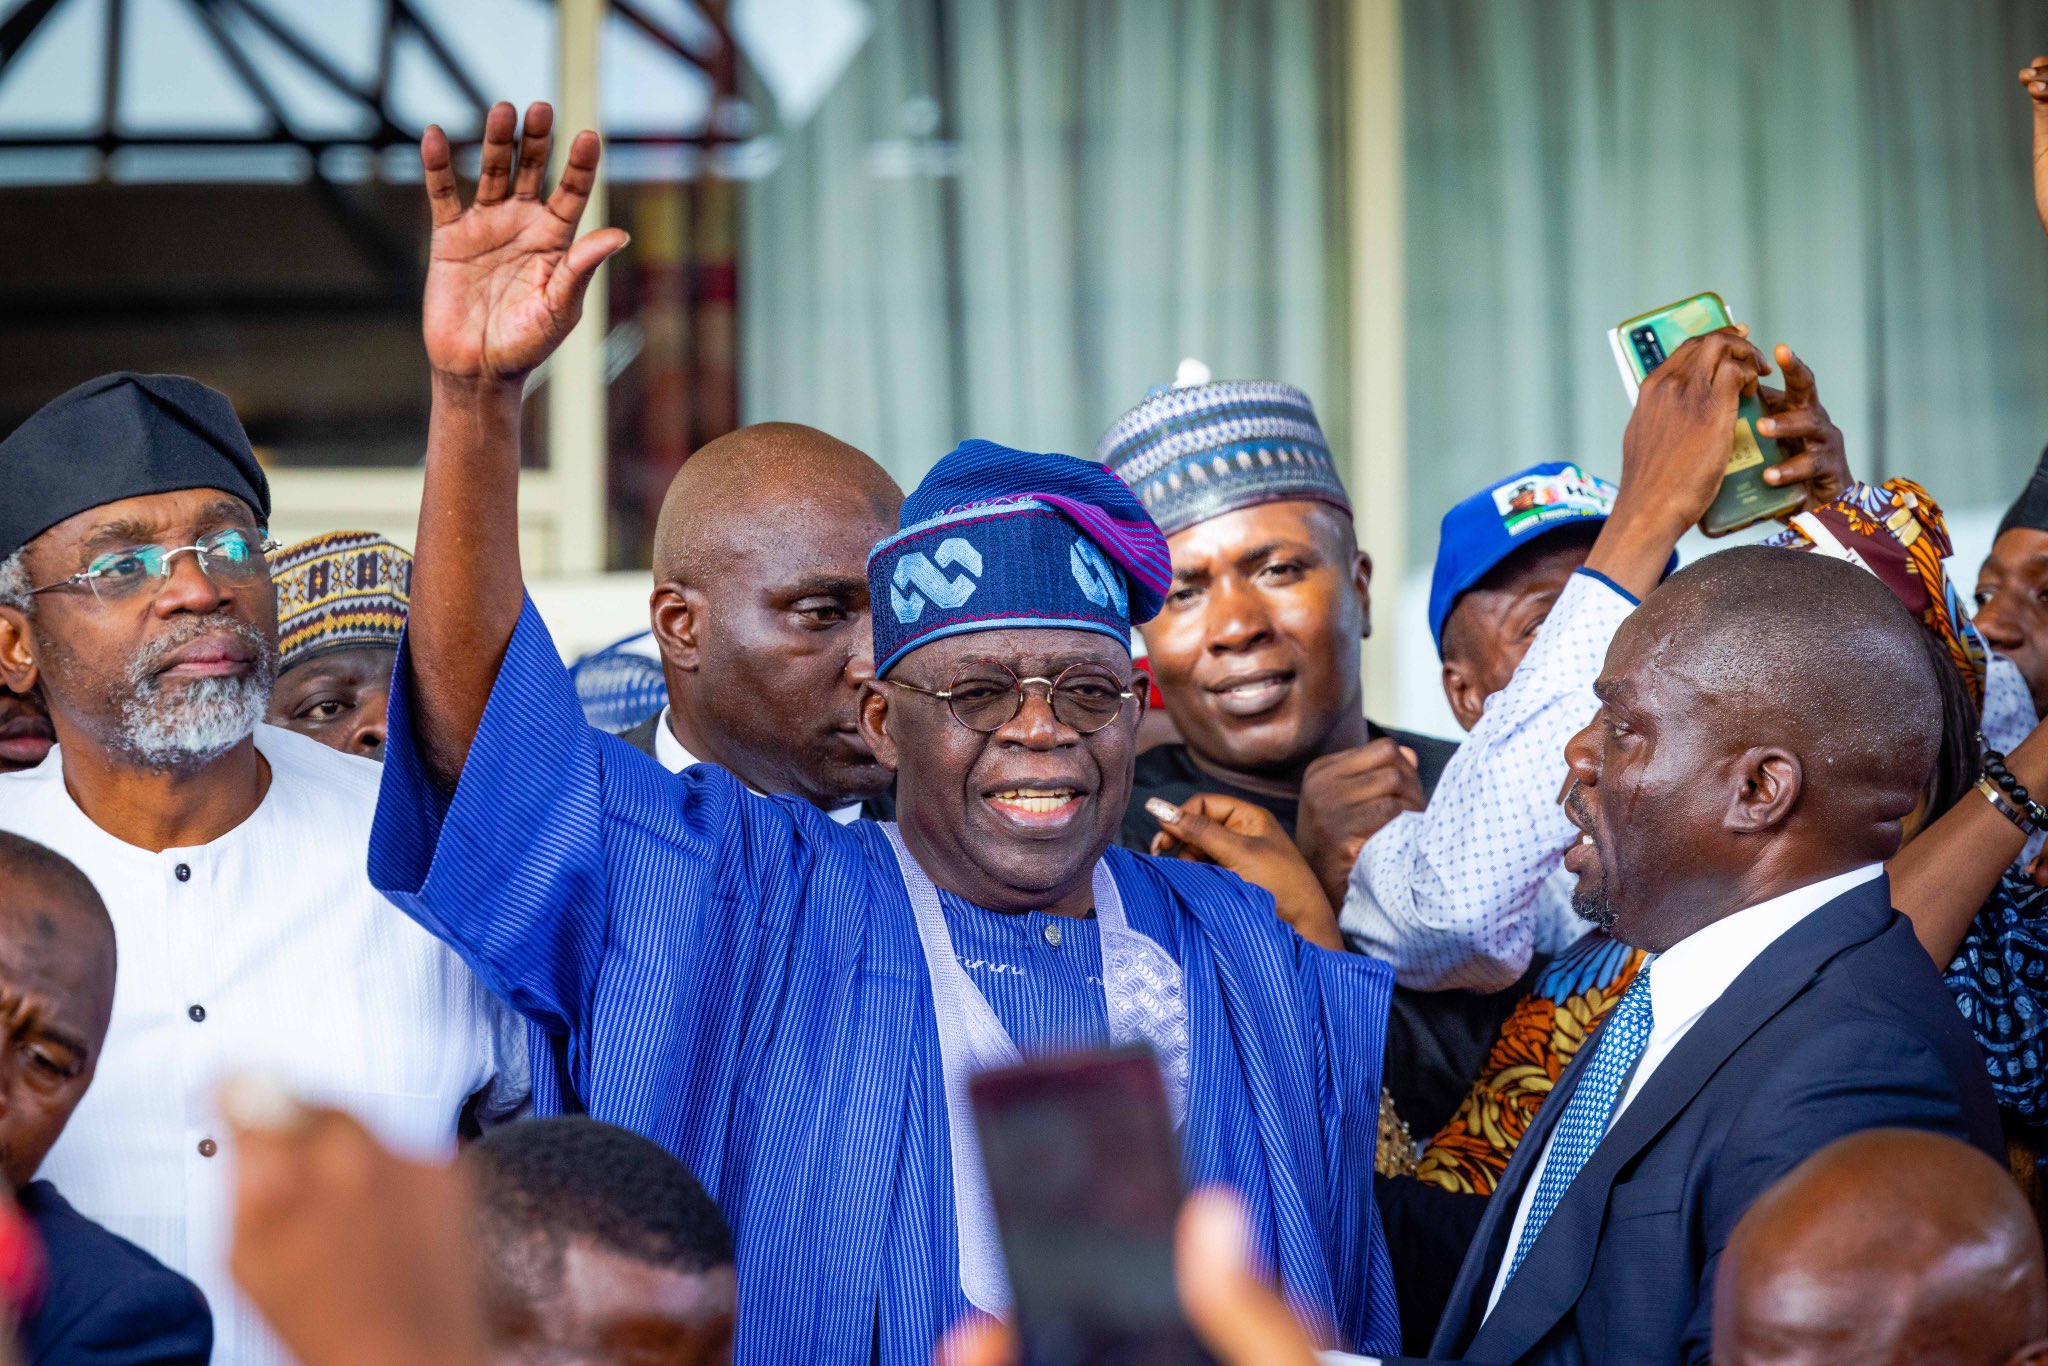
506	276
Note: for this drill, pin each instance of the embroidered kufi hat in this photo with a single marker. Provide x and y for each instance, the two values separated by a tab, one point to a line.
1198	451
338	590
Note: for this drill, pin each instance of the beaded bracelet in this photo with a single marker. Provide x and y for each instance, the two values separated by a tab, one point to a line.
1996	772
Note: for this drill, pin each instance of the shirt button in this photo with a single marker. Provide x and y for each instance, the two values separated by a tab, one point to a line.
207	1147
1052	933
196	1014
184	872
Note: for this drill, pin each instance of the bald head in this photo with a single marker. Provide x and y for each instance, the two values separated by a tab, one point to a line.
1890	1246
1812	654
753	482
760	608
1768	718
36	876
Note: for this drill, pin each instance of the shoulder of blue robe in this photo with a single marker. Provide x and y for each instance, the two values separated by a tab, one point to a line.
734	976
1289	1042
563	850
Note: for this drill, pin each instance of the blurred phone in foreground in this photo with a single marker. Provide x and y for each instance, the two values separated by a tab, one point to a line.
1641	345
1084	1171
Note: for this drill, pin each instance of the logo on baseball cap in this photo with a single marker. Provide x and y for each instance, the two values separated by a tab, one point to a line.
1503	517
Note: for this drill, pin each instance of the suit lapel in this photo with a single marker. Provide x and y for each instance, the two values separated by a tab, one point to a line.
1467	1303
1554	1273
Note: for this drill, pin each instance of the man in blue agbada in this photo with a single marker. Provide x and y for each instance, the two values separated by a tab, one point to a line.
792	1006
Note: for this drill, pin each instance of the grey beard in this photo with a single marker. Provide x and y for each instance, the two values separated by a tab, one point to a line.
1593	905
189	726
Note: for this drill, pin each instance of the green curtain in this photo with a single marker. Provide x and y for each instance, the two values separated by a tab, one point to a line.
1850	175
1009	220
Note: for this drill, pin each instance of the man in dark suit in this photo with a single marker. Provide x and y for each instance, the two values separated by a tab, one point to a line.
105	1301
1768	721
760	613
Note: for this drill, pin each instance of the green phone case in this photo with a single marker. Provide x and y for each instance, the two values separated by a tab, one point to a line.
1744	497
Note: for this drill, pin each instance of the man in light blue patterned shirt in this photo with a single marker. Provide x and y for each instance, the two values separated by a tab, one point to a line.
1463	893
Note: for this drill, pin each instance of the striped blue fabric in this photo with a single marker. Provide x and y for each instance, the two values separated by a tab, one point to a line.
739	979
1041	974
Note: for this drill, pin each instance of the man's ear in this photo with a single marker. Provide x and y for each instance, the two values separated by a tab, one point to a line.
1464	692
874	723
1361	579
1769	781
19	666
676	615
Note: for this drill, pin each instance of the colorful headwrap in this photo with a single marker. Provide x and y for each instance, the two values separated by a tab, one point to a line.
1897	533
995	539
1200	451
337	590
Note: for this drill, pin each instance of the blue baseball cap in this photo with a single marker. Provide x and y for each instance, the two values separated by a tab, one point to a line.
1503	517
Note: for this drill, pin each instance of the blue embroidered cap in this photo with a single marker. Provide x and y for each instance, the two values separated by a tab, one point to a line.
1503	517
995	538
1197	451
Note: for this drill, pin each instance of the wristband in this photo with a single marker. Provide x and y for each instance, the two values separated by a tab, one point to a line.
2007	809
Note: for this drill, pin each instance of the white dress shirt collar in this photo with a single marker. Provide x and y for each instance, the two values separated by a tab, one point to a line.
1685	981
1697	971
670	754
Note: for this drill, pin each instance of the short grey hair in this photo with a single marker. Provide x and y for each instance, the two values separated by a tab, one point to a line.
14	582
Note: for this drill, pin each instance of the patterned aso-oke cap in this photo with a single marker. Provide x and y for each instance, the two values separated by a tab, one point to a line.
1202	450
994	539
339	589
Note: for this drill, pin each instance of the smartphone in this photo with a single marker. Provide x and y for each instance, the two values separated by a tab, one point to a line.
1641	345
1084	1172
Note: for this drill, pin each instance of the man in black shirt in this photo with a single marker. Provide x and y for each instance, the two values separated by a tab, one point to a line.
1256	655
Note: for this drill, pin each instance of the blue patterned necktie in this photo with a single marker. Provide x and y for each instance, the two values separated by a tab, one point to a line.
1584	1122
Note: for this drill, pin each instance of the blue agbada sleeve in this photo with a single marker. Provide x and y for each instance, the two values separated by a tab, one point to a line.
512	870
1351	995
1289	1046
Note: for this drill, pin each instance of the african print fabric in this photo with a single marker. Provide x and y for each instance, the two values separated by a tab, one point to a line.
2000	981
1896	531
1537	1043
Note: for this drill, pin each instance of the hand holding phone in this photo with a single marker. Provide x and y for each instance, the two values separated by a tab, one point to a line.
1235	1313
1675	451
1816	457
1646	347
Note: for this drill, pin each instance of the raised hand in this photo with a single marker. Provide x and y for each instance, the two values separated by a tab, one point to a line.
1815	455
2034	79
506	276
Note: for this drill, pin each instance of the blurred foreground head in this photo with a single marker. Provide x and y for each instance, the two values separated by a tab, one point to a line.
598	1246
1887	1247
57	983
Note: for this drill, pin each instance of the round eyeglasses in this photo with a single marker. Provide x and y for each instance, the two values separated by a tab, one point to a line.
230	556
986	695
